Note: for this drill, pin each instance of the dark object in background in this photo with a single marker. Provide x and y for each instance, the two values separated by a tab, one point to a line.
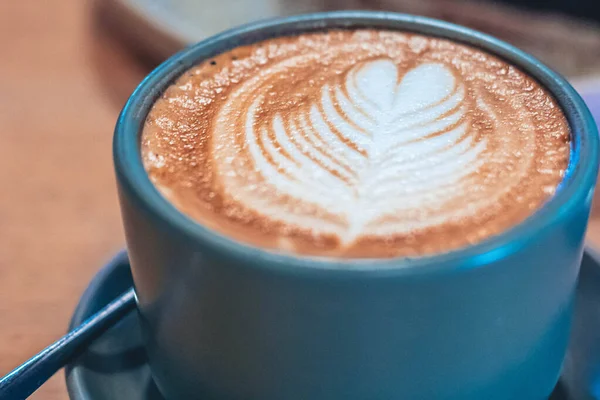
587	9
550	30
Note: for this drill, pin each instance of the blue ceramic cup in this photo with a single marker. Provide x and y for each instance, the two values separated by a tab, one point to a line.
227	321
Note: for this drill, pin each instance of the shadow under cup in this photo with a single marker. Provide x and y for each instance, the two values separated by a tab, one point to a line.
223	320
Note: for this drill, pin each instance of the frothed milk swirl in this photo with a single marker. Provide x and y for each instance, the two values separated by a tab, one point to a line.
359	143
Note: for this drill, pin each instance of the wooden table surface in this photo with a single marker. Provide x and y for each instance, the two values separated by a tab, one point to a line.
63	80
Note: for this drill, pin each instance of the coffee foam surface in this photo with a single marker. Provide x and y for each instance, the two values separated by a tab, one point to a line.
356	144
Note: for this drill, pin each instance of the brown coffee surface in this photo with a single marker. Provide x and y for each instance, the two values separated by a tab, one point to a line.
356	144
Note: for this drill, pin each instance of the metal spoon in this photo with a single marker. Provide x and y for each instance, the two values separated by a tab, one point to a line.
27	378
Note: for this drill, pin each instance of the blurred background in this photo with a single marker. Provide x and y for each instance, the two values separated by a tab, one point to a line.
68	66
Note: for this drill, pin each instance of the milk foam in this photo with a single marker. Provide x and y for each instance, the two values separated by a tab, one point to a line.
398	141
327	145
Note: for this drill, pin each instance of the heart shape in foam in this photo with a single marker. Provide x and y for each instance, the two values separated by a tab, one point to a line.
379	143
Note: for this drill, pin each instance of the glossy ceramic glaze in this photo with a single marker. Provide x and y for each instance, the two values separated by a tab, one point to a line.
115	366
222	320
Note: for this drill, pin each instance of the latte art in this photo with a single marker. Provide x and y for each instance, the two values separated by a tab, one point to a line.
372	147
322	145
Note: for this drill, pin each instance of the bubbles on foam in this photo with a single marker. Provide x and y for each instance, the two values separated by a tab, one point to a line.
154	160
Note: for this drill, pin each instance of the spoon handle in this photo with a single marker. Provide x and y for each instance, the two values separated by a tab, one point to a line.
27	378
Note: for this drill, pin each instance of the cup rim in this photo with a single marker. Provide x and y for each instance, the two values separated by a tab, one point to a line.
576	187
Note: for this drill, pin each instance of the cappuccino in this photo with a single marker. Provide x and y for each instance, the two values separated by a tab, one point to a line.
356	144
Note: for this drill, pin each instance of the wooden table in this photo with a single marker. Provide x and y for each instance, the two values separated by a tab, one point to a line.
62	84
63	81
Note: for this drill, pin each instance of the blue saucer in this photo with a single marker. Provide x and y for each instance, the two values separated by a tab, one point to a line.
115	366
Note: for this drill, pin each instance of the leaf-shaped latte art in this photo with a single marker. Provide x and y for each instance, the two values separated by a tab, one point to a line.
379	143
357	143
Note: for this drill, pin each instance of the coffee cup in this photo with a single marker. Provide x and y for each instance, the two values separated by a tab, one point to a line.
227	320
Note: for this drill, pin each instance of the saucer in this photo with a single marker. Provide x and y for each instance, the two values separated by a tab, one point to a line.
115	366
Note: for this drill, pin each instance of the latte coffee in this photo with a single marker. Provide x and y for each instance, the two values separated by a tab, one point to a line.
356	144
